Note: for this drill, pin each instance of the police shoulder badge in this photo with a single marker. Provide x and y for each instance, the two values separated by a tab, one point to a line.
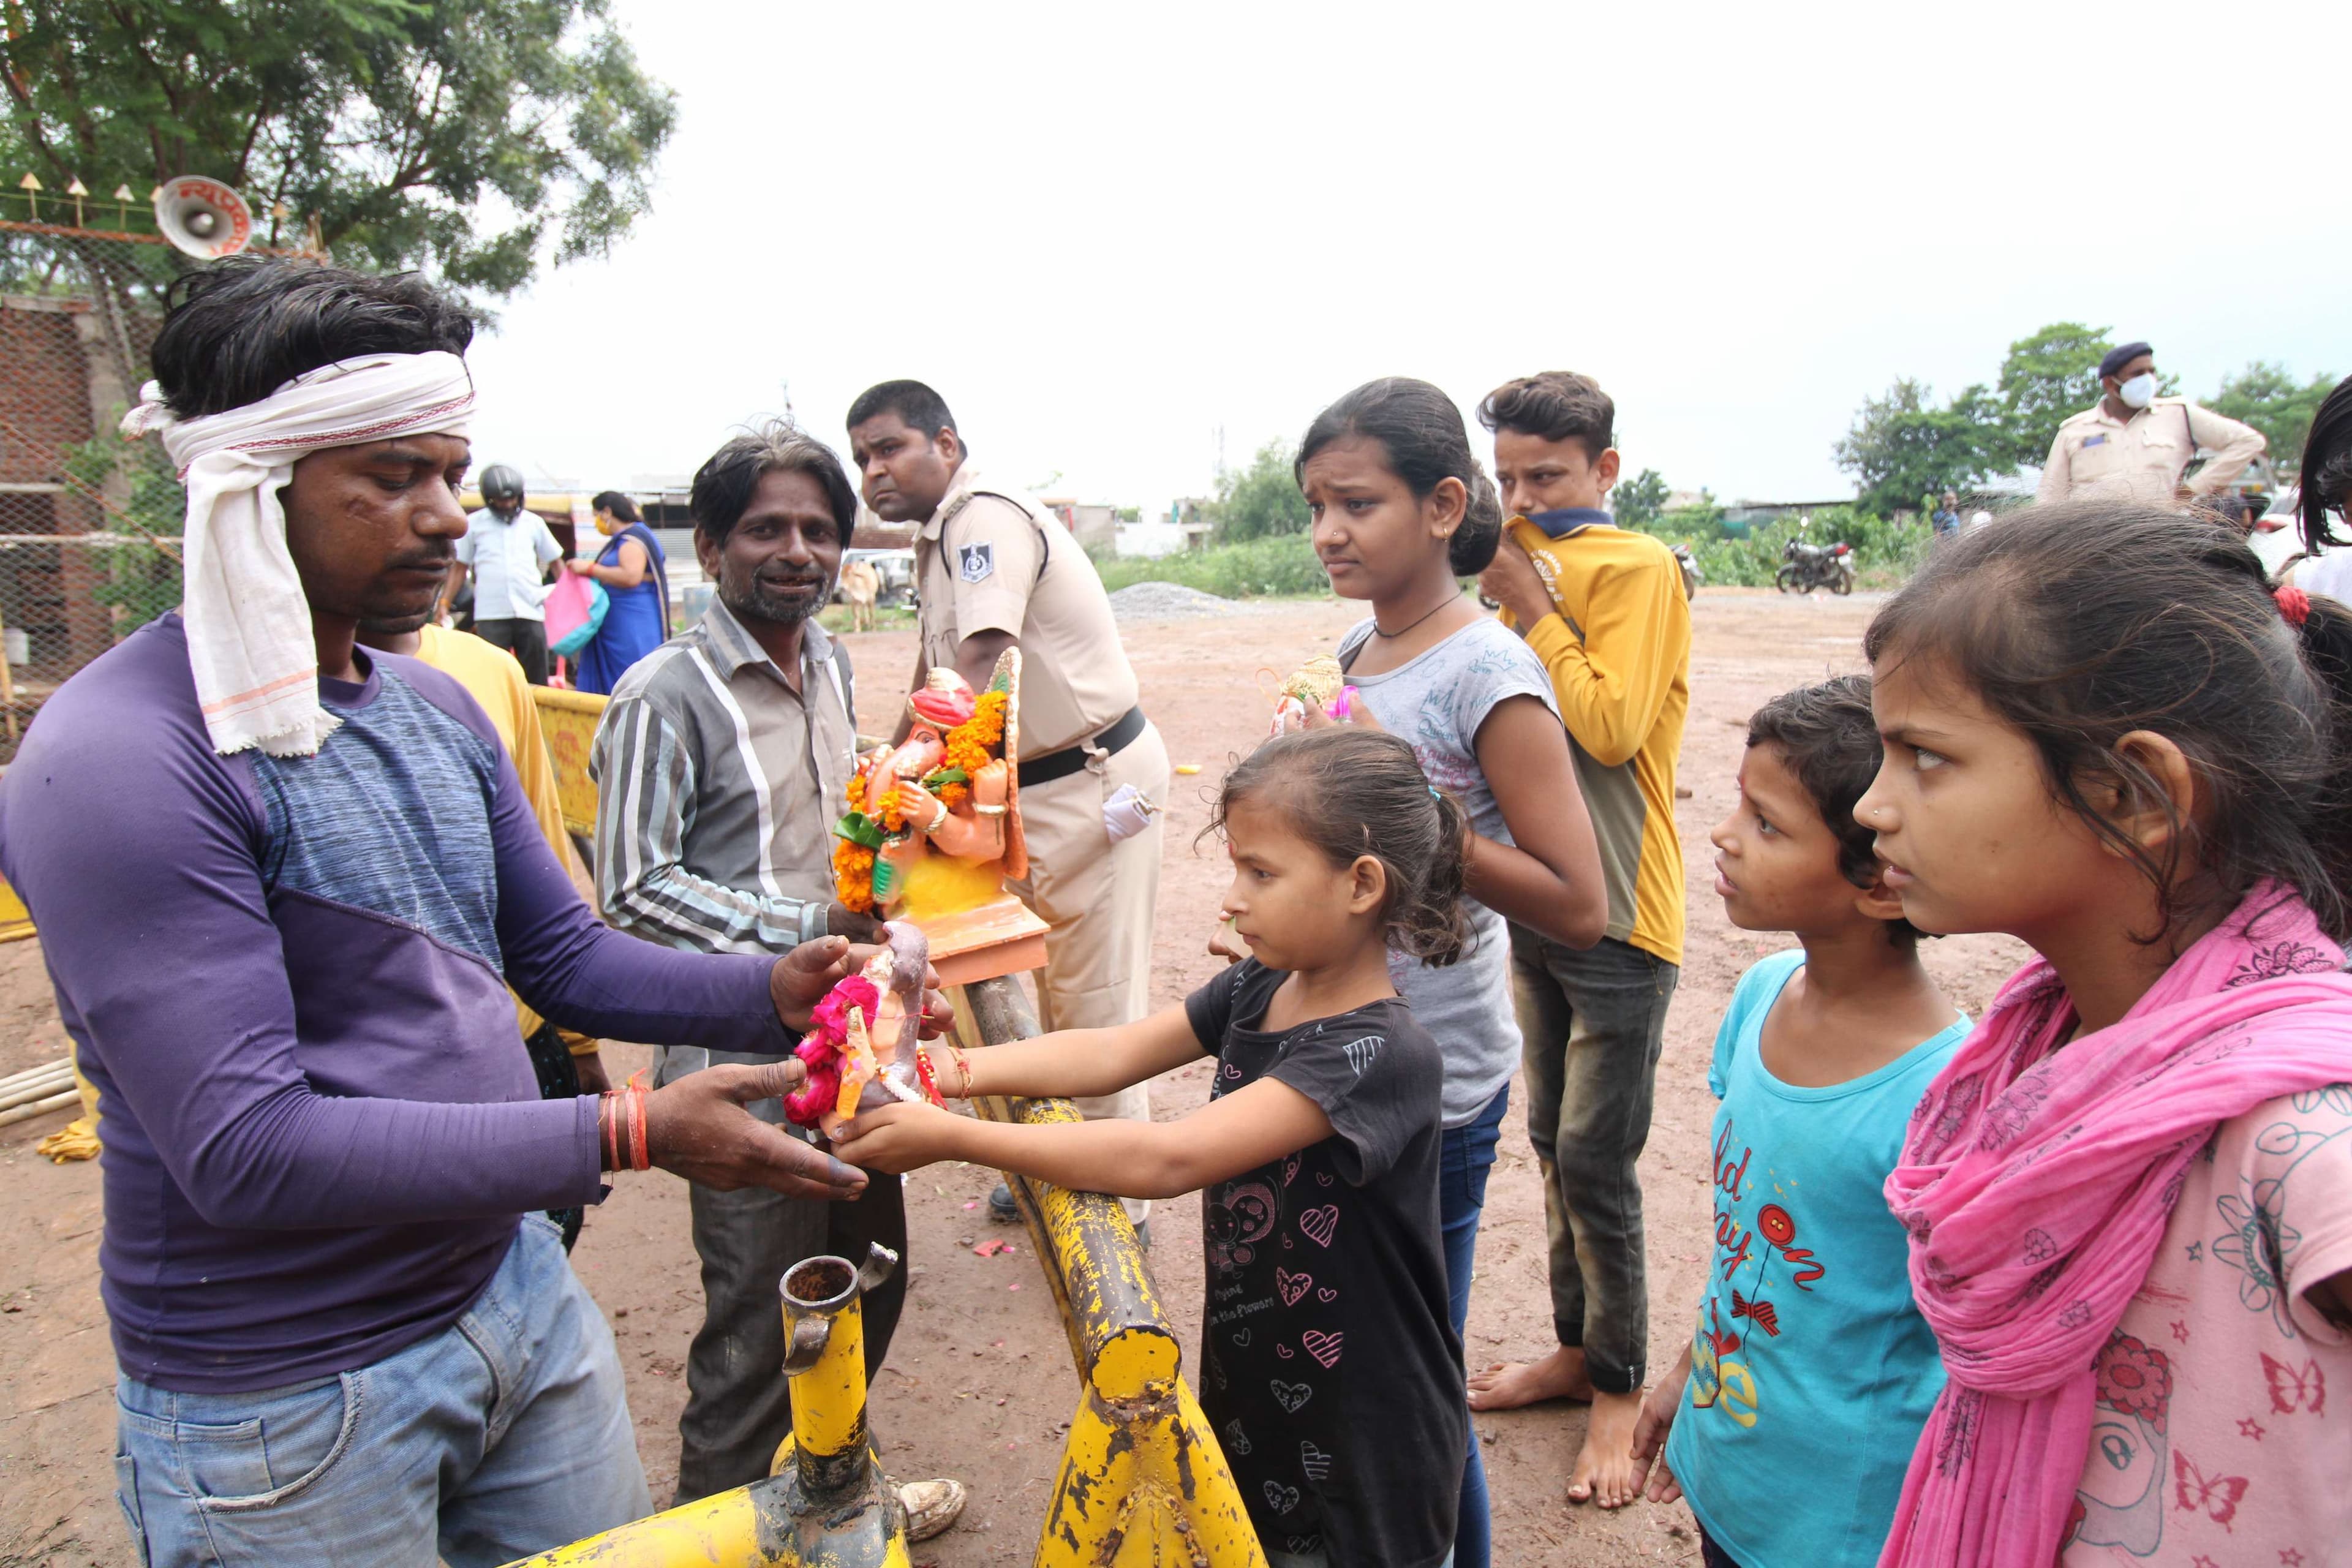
977	561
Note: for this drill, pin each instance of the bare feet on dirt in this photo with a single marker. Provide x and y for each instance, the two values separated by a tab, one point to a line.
1504	1386
1605	1471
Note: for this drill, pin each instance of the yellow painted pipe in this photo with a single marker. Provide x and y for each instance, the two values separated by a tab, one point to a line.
824	1354
750	1527
826	1505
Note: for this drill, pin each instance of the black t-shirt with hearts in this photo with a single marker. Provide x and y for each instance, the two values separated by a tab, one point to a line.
1327	1367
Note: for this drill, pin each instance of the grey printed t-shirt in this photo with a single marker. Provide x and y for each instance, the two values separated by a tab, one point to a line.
1436	703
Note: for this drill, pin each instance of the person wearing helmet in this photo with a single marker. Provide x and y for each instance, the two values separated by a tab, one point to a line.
508	550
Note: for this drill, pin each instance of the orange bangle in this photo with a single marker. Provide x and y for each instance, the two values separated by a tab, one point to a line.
640	1149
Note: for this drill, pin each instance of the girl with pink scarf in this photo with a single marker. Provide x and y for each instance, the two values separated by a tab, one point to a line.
2129	1195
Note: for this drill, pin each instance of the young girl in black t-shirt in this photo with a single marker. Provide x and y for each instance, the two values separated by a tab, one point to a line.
1327	1366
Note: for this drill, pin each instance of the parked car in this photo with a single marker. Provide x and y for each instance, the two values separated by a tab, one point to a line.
894	567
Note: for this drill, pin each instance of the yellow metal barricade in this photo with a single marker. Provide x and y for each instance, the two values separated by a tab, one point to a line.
16	920
569	720
1142	1481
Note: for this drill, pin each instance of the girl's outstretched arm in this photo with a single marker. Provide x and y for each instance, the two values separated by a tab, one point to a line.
1070	1063
1238	1132
1550	882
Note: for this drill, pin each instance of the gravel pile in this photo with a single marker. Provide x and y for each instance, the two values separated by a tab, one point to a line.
1167	601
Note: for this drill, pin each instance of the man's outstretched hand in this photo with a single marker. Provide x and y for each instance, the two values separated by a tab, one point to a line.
801	977
697	1128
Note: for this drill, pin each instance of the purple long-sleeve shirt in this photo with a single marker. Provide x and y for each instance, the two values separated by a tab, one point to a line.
287	979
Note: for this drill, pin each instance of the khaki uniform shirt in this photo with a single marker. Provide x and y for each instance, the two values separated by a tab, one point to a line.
994	559
2143	457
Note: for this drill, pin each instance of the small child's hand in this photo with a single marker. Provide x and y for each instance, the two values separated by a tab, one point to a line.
1657	1417
1352	710
897	1139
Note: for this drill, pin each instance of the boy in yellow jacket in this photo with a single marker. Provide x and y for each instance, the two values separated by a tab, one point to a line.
1604	609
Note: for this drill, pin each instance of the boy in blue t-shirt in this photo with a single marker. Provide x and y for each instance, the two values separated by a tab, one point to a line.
1791	1417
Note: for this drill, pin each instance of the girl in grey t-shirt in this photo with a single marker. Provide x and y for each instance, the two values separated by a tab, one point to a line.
1401	511
1436	702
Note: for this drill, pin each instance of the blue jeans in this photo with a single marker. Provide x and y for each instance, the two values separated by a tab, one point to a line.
1465	1155
505	1435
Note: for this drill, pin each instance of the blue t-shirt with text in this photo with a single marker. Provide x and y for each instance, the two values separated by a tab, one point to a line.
1811	1370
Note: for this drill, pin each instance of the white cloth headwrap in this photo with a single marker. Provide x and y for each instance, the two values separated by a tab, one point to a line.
249	640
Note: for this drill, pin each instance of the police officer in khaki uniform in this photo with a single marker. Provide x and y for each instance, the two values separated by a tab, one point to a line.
2135	446
994	570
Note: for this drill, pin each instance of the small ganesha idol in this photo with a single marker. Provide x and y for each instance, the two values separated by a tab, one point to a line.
934	823
861	1050
1321	683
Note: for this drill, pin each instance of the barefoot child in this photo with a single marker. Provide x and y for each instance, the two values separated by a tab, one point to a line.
1327	1366
2129	1195
1604	609
1401	512
1811	1370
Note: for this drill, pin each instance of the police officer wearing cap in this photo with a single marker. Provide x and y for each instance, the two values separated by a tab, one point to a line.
2135	446
995	570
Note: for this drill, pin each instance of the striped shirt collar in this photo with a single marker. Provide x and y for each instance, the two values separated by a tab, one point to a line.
732	648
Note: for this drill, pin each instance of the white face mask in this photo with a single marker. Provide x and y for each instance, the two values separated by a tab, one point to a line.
2139	391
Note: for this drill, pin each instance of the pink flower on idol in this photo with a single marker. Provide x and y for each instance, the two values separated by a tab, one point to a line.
831	1016
815	1097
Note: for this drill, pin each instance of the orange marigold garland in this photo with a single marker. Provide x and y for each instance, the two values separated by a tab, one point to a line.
853	858
970	744
853	875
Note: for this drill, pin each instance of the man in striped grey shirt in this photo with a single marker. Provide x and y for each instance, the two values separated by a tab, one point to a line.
721	766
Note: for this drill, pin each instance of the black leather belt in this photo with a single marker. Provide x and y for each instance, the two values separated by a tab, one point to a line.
1061	764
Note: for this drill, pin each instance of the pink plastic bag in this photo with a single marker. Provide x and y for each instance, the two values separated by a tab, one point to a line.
567	605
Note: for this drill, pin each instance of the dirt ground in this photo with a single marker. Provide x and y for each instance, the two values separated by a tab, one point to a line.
978	1384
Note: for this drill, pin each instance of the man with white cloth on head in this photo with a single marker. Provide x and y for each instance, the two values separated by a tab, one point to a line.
283	883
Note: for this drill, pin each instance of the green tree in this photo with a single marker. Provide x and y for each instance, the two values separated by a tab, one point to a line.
464	136
1704	521
1261	501
2044	379
1902	449
2264	396
1640	501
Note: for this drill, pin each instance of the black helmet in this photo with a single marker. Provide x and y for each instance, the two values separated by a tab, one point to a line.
501	481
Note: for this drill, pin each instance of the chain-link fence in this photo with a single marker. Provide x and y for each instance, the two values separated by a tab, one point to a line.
89	521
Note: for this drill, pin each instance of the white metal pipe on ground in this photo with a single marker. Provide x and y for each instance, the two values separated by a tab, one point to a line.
40	1108
39	1089
63	1064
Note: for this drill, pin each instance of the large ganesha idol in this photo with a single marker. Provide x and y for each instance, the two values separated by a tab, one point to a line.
934	823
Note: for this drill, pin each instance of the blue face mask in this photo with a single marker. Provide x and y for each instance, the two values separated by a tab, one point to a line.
2139	391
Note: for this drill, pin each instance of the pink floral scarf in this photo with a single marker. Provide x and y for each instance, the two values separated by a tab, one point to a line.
2036	1183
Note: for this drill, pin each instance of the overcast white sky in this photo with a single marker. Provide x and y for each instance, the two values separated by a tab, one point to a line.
1106	233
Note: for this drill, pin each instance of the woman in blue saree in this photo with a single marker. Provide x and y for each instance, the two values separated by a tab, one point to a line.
630	568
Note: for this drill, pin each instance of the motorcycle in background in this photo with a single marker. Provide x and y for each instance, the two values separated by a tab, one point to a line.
1692	575
1805	567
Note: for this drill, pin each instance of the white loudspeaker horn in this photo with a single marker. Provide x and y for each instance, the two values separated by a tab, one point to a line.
203	219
